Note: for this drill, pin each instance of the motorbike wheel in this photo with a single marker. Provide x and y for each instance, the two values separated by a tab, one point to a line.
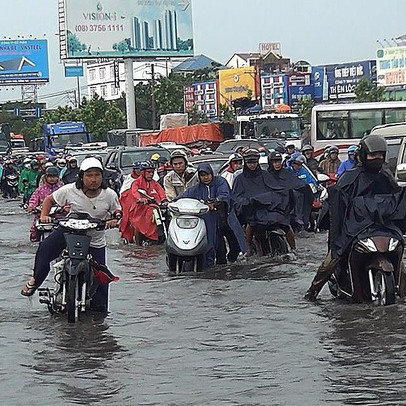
73	290
13	194
384	285
278	244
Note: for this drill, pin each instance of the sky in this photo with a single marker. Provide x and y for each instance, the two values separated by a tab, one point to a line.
318	31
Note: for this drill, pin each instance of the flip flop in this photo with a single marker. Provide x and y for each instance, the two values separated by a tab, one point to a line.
28	290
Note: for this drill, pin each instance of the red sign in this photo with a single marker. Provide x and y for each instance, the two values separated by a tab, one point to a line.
265	47
189	98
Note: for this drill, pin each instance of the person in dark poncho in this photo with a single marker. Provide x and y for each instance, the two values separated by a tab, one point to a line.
259	204
362	198
283	179
221	220
72	172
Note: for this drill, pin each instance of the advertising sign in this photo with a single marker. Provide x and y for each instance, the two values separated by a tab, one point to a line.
237	83
73	71
189	98
24	61
202	96
128	28
391	66
265	47
342	79
274	90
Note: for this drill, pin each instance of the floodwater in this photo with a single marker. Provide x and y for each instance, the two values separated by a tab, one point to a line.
240	335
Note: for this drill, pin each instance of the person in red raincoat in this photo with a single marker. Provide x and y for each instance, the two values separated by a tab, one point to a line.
141	217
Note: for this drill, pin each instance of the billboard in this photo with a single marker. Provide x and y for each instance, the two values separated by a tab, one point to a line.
24	61
274	89
266	47
391	66
237	83
342	79
203	97
73	71
127	28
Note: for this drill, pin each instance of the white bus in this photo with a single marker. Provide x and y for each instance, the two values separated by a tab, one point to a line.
345	124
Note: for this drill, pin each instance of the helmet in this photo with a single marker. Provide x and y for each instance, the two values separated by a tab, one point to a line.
155	157
61	161
34	162
333	149
298	158
52	171
327	147
251	154
307	147
372	143
27	161
275	156
234	157
137	165
178	153
48	165
72	158
90	163
289	144
352	150
146	165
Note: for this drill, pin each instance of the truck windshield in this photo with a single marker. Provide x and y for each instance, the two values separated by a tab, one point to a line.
62	140
277	128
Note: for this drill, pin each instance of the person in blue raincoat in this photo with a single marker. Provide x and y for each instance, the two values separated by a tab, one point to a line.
221	221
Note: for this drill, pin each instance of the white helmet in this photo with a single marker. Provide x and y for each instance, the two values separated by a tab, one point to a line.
91	163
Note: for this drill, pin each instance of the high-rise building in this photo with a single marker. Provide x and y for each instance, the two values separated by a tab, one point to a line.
158	34
136	39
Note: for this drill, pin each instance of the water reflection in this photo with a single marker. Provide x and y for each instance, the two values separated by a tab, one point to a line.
367	345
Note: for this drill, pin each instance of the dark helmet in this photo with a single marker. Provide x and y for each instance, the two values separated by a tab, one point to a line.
137	165
34	163
370	144
333	149
307	147
275	156
251	154
52	171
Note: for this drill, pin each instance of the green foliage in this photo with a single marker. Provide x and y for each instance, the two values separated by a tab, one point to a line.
227	114
123	46
305	108
366	91
169	94
197	117
143	93
74	44
185	45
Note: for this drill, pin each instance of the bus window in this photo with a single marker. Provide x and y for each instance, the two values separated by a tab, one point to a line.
395	116
363	121
332	125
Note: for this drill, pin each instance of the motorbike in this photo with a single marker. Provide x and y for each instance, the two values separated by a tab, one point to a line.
373	269
320	196
76	274
186	243
12	183
44	229
160	216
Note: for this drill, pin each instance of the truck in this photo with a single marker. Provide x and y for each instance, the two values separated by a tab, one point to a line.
58	136
125	136
283	126
4	138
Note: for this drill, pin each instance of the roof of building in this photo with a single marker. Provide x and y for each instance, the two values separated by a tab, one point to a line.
197	62
246	55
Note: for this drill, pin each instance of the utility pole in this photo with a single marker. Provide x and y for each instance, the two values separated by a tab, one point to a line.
153	104
130	93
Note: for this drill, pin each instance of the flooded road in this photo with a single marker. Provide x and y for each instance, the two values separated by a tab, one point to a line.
240	335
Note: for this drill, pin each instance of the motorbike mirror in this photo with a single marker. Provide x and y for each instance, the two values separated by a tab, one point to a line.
401	172
143	192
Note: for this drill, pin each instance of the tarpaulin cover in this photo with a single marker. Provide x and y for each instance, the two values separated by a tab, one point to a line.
185	135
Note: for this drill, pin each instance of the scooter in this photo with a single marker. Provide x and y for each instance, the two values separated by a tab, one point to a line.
186	244
12	183
44	229
373	269
76	275
320	196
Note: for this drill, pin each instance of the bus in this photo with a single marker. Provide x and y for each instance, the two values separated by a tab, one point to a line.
283	126
345	124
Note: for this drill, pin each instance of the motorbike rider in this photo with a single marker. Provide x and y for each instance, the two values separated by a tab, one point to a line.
8	170
181	177
61	165
349	163
290	149
295	165
311	162
51	183
234	165
28	181
330	165
302	195
141	224
72	171
258	204
366	180
221	221
87	195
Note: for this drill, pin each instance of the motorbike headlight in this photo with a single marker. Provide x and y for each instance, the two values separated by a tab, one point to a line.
187	222
393	243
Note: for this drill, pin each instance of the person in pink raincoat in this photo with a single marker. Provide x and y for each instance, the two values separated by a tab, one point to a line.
51	183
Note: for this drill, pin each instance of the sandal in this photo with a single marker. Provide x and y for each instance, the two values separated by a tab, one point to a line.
28	289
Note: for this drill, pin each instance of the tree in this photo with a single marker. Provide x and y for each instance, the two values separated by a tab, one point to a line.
74	44
366	91
305	108
197	117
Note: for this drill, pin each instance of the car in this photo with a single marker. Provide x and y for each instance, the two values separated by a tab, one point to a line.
81	155
217	161
123	158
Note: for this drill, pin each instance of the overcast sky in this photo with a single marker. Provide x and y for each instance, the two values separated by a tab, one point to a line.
319	31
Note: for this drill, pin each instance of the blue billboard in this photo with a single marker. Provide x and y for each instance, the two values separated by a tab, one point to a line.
24	61
73	71
342	79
